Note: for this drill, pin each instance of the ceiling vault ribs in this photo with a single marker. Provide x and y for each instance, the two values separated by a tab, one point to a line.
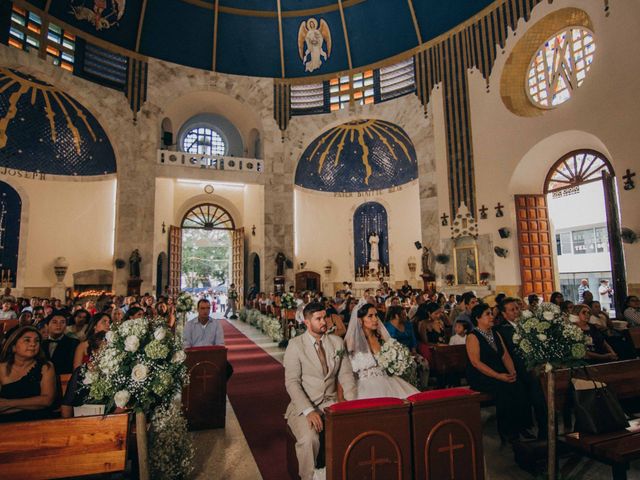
282	70
141	24
309	12
346	35
414	19
214	53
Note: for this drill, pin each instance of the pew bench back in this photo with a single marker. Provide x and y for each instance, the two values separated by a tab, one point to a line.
62	448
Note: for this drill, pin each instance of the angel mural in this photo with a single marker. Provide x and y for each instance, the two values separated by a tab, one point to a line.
102	14
311	37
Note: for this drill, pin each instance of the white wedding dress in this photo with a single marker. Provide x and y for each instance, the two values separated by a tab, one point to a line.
372	382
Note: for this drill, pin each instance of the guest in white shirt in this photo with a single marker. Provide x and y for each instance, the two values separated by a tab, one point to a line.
7	312
203	330
460	337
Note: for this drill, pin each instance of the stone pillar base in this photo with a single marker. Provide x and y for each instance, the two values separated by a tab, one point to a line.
59	290
133	286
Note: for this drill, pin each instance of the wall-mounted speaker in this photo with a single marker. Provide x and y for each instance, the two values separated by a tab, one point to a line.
418	245
167	139
504	232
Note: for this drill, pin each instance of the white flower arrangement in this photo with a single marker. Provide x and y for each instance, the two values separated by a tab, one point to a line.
184	303
394	358
269	325
545	338
140	367
173	452
288	301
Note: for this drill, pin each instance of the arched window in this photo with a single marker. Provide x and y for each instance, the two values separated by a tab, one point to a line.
560	66
576	168
370	218
205	141
208	216
10	210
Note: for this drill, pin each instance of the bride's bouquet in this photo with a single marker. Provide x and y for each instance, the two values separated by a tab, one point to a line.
394	358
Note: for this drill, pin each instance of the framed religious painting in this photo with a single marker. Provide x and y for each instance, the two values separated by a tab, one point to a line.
465	265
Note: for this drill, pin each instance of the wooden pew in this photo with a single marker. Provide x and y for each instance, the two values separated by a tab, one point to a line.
447	434
368	439
635	336
205	398
448	359
60	448
616	448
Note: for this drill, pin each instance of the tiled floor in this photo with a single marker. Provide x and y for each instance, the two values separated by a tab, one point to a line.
225	455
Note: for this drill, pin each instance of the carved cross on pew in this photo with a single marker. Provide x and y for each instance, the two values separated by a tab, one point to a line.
451	449
374	462
629	184
483	212
204	378
499	212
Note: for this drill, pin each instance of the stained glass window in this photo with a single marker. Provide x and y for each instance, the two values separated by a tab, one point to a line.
205	141
576	168
560	66
208	217
26	32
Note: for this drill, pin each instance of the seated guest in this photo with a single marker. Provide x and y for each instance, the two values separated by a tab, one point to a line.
398	327
58	347
460	335
469	300
335	325
533	300
133	312
25	319
620	340
203	330
78	327
7	312
598	350
100	323
491	370
556	298
565	308
117	316
631	310
27	379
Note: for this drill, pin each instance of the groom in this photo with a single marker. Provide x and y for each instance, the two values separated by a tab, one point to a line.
312	364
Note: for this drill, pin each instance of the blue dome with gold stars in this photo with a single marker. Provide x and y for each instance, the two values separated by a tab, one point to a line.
45	130
358	156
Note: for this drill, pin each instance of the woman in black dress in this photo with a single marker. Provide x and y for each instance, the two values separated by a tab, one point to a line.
27	379
490	369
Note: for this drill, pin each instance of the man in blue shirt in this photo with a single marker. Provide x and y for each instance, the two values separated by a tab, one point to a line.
204	330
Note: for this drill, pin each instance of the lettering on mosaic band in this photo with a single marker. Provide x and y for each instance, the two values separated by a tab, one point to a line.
373	193
12	172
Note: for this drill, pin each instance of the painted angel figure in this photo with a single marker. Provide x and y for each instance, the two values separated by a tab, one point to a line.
311	37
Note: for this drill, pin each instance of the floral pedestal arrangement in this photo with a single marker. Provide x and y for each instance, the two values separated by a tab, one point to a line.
546	342
142	368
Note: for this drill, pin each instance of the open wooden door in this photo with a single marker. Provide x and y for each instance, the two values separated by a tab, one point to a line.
616	251
175	259
237	270
534	245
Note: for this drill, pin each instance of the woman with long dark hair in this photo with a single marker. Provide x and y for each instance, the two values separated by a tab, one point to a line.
490	369
27	379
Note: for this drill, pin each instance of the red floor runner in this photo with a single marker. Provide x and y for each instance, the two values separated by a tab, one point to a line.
259	399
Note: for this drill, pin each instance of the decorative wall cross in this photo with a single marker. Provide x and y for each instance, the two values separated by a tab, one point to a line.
204	378
629	184
483	212
451	448
374	462
499	212
445	219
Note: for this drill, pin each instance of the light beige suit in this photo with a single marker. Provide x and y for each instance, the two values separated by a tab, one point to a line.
310	389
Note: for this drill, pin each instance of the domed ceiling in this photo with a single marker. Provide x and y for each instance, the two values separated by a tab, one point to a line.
358	156
270	38
44	130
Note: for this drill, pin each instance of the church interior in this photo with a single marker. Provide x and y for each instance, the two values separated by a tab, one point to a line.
240	150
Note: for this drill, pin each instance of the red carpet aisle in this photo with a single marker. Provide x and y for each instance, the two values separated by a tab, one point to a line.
259	399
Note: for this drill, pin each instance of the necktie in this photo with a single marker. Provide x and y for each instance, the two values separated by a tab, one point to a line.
323	357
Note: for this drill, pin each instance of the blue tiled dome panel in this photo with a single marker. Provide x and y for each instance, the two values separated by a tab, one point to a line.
358	156
42	129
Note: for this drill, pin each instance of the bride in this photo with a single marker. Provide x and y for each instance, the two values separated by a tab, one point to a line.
363	341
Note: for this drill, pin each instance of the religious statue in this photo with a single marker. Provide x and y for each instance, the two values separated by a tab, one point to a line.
374	248
281	262
425	260
134	264
311	38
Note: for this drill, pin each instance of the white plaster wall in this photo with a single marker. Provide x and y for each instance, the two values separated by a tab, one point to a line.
513	154
70	219
254	215
324	230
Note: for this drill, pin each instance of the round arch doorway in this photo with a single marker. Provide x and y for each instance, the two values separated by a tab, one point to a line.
207	255
582	202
